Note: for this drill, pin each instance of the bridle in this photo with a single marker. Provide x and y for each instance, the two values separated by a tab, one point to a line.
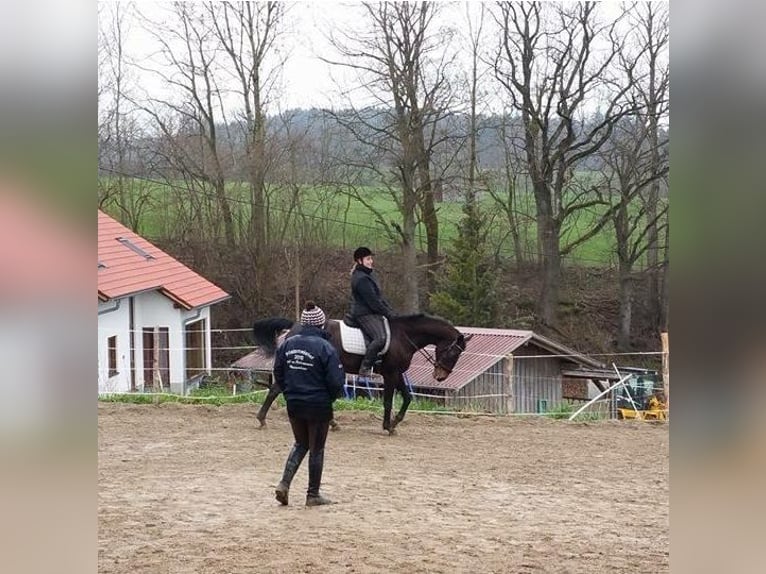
434	362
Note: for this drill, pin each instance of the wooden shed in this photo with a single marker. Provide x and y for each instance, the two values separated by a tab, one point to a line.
504	371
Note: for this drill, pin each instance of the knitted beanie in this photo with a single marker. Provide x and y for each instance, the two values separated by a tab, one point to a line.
312	315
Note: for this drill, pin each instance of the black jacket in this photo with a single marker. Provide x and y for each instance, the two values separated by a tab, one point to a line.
308	369
366	297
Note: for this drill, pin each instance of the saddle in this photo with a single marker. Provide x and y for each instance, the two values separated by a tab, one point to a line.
353	339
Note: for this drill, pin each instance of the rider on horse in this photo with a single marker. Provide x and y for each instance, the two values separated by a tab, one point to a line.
368	307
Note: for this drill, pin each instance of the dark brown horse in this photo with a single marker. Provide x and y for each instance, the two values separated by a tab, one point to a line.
409	334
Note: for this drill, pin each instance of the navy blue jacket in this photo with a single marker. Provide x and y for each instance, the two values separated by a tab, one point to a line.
308	369
366	297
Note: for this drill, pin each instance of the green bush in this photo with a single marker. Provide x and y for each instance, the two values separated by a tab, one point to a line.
561	411
196	397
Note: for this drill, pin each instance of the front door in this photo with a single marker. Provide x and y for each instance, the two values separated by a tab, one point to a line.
156	339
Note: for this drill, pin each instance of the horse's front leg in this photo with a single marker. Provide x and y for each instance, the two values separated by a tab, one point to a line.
388	402
401	386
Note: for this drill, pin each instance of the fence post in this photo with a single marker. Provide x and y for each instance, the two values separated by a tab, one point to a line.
156	376
666	367
508	376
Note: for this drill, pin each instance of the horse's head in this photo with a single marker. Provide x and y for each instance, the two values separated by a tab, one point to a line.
447	354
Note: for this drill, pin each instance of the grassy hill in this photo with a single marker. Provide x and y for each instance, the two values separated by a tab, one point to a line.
338	217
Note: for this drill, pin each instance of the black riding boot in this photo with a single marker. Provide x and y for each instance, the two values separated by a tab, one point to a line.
316	465
370	360
292	464
365	369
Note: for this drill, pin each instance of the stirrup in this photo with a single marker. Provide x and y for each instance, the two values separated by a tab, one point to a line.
365	371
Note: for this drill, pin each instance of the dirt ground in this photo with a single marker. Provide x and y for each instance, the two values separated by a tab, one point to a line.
189	489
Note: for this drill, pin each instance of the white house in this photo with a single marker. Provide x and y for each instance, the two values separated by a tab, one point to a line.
153	315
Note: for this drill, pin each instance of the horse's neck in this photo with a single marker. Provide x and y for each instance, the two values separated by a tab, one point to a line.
424	335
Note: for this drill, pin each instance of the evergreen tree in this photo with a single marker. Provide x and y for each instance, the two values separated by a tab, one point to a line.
467	289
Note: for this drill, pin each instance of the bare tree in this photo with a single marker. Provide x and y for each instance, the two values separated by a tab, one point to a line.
651	24
554	61
475	30
509	190
630	168
402	63
247	32
190	119
636	157
118	128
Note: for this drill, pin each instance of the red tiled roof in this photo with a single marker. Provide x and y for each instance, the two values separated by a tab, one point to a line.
126	272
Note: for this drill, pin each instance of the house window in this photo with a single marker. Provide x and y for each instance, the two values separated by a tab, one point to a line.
111	345
195	348
156	339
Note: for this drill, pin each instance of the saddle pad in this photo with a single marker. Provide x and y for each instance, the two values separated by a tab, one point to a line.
353	342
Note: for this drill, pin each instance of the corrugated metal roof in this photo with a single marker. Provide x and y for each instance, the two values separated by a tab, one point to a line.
485	349
125	271
257	360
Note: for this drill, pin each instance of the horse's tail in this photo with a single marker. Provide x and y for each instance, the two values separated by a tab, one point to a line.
265	332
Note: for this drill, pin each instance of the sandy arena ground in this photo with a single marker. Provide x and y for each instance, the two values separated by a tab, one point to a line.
189	489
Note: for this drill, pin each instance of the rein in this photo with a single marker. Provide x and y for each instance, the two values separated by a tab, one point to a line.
423	352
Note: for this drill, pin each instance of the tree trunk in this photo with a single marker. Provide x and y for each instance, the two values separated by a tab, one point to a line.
425	194
256	161
665	295
431	223
653	257
550	267
219	185
410	267
512	221
626	309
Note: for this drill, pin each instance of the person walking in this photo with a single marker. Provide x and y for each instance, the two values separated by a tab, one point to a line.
308	370
313	315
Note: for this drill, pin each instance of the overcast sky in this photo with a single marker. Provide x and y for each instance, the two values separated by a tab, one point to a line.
306	80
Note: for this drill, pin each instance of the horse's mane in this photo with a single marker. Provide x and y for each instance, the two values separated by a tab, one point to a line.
413	316
409	317
418	316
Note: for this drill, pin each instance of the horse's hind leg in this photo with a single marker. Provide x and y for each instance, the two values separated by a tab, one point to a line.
401	386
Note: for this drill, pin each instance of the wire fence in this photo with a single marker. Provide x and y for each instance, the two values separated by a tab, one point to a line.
524	390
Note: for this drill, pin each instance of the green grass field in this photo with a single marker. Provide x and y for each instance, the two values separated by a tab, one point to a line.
337	217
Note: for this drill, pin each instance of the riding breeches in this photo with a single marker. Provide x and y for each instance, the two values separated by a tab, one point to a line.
374	327
310	435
